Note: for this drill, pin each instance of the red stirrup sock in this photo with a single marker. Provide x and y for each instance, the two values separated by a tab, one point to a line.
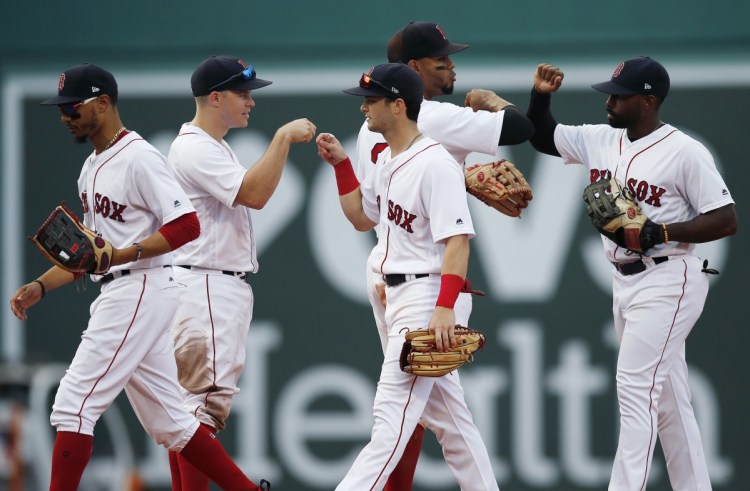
70	455
208	455
192	478
403	475
174	470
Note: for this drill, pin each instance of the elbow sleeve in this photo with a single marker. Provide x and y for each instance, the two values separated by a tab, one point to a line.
544	123
517	128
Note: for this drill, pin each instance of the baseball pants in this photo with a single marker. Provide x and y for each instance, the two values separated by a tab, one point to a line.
210	333
654	312
128	345
401	399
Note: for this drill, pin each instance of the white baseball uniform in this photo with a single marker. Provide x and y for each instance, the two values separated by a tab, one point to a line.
461	131
127	193
216	308
418	199
674	178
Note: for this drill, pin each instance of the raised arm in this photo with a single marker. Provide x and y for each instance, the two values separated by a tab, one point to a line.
263	177
350	194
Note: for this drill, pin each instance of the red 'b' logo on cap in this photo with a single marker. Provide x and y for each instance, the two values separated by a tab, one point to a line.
61	82
441	31
618	69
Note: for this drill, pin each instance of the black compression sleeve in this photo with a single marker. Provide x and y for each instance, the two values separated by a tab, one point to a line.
517	128
544	123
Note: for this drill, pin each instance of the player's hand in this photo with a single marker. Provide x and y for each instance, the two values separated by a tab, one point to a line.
330	149
298	131
25	297
485	100
380	289
547	79
443	326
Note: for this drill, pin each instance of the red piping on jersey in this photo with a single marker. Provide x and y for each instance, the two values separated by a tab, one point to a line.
653	380
96	174
387	244
634	156
213	341
627	170
400	434
112	361
388	189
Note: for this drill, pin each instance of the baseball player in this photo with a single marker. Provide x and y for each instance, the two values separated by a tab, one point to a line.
416	195
659	295
130	197
215	310
485	122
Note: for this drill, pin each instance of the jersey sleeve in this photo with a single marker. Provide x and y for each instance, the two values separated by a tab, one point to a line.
573	141
158	188
211	168
461	130
445	200
701	183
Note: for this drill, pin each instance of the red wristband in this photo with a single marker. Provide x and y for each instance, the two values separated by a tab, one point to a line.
450	286
346	180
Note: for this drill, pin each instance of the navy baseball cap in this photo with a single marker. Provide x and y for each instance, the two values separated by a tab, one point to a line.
82	82
392	80
419	40
219	73
641	75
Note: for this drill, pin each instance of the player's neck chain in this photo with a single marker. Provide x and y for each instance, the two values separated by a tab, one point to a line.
413	141
114	138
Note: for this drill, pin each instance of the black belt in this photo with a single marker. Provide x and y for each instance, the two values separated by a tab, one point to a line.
397	279
627	269
114	275
118	274
238	274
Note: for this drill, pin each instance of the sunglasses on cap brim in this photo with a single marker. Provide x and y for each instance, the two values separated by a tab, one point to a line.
366	82
246	74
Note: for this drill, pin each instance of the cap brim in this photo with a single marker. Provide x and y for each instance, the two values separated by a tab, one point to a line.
253	84
612	88
370	92
449	50
61	99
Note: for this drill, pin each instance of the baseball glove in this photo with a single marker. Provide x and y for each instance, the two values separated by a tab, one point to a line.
71	245
419	354
499	185
616	215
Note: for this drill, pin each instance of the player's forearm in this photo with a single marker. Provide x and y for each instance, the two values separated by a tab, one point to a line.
55	278
351	205
544	123
153	246
456	256
706	227
262	179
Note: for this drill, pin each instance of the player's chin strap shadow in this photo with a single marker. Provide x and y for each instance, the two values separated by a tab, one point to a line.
708	270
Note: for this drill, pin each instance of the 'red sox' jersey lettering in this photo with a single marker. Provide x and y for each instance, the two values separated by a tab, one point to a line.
641	190
599	175
645	192
108	208
400	216
85	202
